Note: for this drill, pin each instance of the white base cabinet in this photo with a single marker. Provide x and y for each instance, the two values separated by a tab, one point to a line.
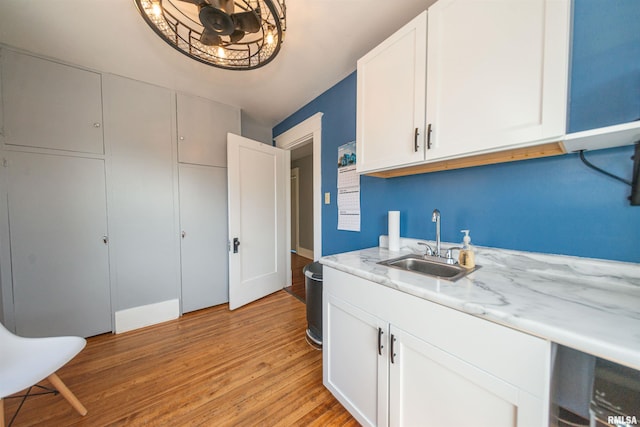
355	368
394	359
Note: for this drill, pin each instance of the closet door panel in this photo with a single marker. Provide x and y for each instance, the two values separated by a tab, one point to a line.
59	260
203	221
202	130
145	242
50	105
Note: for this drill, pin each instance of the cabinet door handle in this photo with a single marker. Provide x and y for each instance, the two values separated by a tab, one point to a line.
429	137
183	234
236	243
380	346
393	354
105	240
415	140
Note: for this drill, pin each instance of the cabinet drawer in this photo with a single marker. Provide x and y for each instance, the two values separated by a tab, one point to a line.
516	357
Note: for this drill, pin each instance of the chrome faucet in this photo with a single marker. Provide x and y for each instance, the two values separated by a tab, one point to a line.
435	217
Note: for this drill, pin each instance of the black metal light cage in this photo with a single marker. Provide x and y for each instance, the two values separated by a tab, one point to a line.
181	31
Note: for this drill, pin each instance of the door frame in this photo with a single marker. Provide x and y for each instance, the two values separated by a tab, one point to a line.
309	129
295	174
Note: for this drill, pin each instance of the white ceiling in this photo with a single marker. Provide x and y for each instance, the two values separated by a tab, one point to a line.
323	41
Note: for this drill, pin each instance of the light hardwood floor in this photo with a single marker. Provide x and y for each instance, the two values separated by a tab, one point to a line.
214	367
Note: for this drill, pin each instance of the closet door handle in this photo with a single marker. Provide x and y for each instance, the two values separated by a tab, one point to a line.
429	137
380	346
393	354
236	243
415	140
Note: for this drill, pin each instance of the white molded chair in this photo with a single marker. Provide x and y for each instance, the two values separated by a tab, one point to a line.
24	362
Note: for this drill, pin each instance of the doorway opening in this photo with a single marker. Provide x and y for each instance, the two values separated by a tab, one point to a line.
301	216
304	141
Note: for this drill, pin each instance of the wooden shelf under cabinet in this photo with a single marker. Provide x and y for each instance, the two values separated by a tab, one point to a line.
512	155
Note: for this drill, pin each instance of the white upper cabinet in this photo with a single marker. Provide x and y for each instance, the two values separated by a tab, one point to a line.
390	116
202	130
50	105
497	74
495	79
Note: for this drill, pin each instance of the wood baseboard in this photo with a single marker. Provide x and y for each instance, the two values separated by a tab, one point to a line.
307	253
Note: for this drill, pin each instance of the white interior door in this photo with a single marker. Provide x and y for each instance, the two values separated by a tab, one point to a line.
258	175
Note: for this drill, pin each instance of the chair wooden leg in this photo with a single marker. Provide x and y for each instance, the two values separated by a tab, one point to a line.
1	413
67	394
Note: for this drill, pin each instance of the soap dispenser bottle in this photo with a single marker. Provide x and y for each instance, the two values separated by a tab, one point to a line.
466	257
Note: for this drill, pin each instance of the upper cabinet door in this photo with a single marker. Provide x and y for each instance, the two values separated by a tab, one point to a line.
391	100
202	130
497	74
50	105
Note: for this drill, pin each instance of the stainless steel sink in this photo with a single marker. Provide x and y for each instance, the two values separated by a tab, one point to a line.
429	266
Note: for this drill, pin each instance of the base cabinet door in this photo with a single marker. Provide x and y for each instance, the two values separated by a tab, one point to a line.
430	387
58	240
203	248
355	367
394	359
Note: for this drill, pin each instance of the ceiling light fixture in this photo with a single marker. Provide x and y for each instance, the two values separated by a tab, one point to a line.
234	35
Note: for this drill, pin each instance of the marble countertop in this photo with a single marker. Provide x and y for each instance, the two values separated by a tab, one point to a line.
586	304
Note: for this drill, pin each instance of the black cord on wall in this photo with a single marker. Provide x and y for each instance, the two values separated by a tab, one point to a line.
594	167
635	178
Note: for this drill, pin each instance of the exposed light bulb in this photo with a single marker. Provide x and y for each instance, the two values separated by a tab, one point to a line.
156	9
269	37
221	52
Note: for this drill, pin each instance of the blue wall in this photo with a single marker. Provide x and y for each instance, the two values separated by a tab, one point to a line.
555	205
605	72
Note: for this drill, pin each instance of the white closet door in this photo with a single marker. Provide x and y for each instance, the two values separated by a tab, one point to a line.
145	242
203	220
60	263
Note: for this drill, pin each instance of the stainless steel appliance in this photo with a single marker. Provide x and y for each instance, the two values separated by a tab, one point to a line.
615	400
